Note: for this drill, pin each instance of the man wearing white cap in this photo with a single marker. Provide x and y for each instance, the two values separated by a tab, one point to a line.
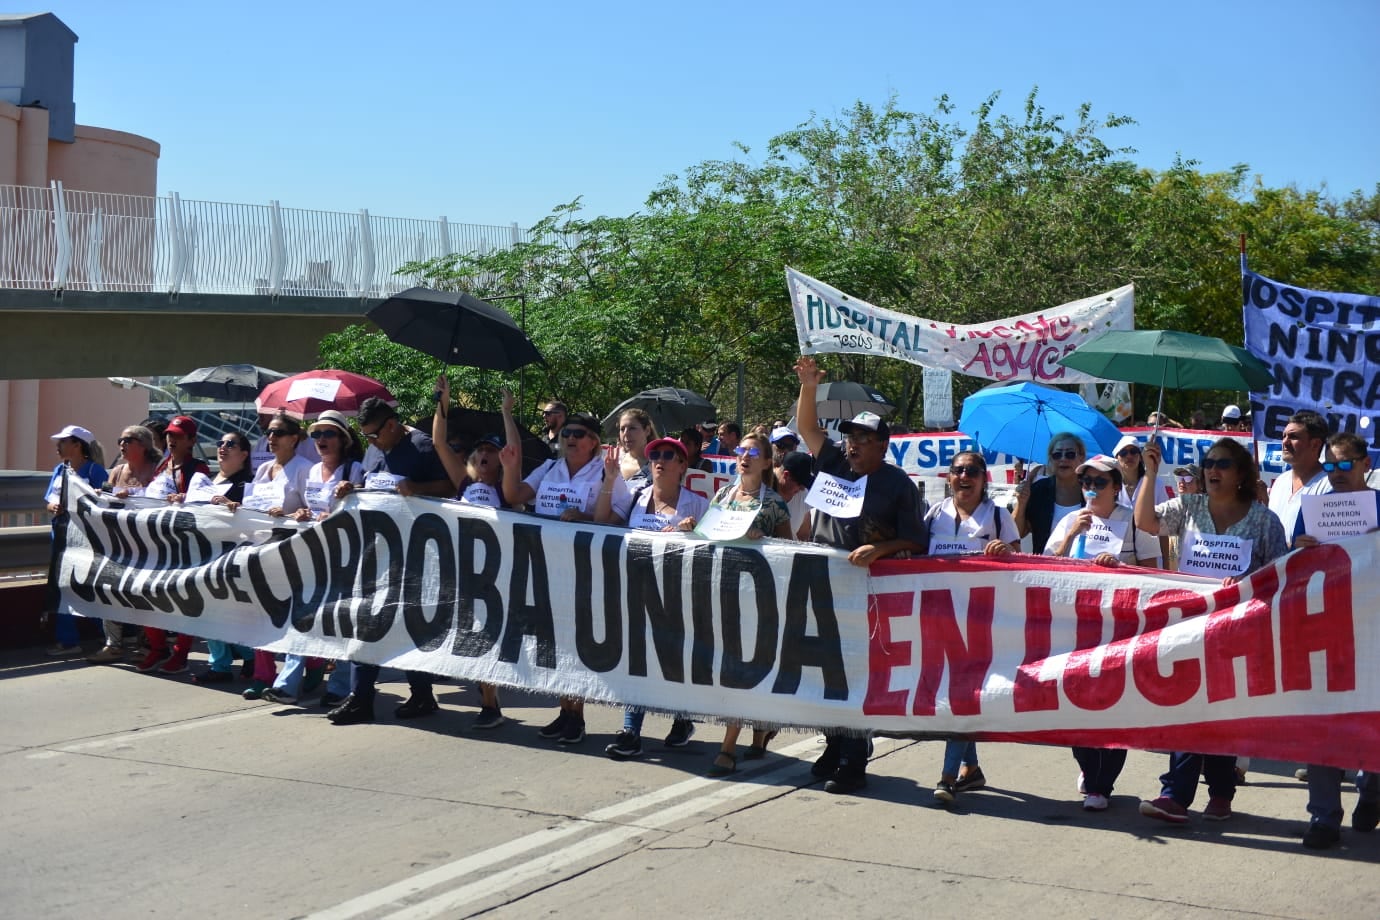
1233	420
888	523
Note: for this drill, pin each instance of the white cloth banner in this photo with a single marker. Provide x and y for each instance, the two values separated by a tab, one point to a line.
1024	347
773	632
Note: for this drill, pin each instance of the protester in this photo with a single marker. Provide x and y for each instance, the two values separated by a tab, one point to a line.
76	447
1044	502
709	431
783	441
694	443
1234	420
635	430
887	524
553	417
751	492
233	471
1228	509
1301	447
663	505
730	435
1188	480
1346	465
567	488
1198	420
1128	458
794	476
969	518
399	458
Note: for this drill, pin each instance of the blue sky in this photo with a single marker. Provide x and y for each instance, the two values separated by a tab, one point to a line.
495	112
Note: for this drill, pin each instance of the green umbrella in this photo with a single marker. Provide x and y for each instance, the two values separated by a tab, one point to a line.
1179	360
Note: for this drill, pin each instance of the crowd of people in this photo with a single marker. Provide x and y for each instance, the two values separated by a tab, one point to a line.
1100	508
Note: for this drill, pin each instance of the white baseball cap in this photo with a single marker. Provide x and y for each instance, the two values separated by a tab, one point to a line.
1231	412
75	431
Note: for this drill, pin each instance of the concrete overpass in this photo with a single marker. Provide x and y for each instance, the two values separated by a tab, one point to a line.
93	285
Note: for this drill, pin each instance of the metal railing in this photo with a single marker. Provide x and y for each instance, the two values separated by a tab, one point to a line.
58	239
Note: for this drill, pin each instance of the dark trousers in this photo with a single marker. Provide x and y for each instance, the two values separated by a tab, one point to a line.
852	751
1101	767
1181	782
366	675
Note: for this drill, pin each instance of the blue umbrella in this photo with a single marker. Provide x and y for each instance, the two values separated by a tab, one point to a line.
1021	418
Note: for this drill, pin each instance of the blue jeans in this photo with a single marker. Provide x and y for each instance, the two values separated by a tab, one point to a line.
290	678
338	684
1101	767
632	719
223	655
958	753
65	629
1325	793
1181	782
367	675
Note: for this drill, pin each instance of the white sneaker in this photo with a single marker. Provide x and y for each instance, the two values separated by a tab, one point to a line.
1095	802
1082	789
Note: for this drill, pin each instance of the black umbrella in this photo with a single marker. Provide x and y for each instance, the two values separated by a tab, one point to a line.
472	424
671	409
229	382
845	399
456	327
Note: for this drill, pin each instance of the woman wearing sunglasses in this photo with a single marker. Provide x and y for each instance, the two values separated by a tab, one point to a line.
967	522
1227	509
1132	468
753	490
139	460
568	489
1045	502
662	505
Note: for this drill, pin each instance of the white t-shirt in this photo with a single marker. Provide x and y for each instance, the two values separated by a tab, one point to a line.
1286	504
291	479
641	517
556	488
319	494
1145	546
988	522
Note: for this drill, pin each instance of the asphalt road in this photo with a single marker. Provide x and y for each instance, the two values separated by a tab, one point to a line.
128	795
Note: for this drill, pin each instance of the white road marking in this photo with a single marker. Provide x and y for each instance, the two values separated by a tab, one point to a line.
450	901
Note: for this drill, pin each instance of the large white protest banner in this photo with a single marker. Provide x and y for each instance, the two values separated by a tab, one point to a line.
774	632
1024	347
1324	349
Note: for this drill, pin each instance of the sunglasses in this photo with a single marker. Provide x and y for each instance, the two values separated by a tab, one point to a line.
1188	480
747	451
1063	455
1094	482
324	433
1129	452
123	441
227	444
277	432
575	433
551	412
976	472
1346	466
1221	463
663	456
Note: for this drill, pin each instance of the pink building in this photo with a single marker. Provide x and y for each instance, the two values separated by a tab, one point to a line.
41	142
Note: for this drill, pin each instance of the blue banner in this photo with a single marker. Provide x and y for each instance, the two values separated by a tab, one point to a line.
1324	350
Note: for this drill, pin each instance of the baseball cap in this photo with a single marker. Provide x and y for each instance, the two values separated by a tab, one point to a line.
1125	442
1192	469
676	445
493	440
1099	462
183	425
801	466
866	421
75	431
780	434
1231	411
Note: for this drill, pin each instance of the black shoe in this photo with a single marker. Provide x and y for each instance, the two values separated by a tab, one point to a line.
555	728
828	763
625	746
489	717
1365	816
351	712
212	677
574	731
846	781
972	782
1321	836
247	668
416	707
682	730
332	700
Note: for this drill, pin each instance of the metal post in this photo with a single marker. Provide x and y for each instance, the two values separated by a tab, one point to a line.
366	255
61	236
445	237
179	244
93	251
277	258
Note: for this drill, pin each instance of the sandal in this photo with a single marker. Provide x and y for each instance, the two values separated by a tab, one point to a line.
758	751
723	765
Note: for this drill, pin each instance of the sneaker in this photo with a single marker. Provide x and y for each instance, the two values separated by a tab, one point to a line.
1365	817
332	700
351	712
1095	802
626	745
176	664
846	781
1321	836
944	792
682	730
62	651
1301	774
574	731
255	691
972	782
1165	809
274	695
1218	809
212	677
555	728
416	706
150	661
828	762
1082	786
489	717
107	654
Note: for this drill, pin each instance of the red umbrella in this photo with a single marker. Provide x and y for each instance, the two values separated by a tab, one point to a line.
308	394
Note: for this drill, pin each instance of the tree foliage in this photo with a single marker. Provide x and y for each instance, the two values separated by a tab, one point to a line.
922	213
